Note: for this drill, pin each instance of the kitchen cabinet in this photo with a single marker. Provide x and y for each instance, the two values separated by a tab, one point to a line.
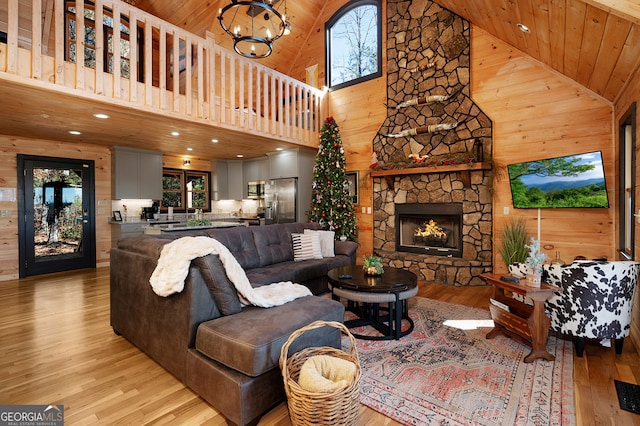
136	174
283	164
228	182
254	170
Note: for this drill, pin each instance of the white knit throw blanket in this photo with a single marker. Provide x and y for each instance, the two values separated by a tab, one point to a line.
175	259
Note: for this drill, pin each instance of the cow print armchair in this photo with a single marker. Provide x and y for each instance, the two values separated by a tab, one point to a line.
595	301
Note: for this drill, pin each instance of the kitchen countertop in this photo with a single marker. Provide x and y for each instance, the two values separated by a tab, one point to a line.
159	229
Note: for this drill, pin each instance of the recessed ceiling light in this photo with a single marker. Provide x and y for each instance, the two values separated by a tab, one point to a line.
214	140
74	132
175	134
523	28
279	149
239	155
103	116
189	149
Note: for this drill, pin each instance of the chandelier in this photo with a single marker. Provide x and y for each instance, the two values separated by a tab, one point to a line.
254	25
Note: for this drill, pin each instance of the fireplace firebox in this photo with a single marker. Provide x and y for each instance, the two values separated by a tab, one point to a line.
429	228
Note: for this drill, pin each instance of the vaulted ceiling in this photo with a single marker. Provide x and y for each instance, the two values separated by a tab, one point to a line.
594	42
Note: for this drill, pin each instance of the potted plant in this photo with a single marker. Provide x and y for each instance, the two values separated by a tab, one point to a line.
513	248
373	265
534	262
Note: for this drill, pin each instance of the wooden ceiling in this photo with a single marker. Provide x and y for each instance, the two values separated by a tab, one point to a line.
594	42
201	16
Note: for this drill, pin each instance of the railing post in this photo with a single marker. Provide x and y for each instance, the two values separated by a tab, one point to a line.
12	38
148	64
36	40
133	56
59	41
162	67
117	89
99	83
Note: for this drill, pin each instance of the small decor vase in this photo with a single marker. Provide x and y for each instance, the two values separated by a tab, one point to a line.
372	265
372	270
534	279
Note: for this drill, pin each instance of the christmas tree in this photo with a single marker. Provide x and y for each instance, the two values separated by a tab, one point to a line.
331	205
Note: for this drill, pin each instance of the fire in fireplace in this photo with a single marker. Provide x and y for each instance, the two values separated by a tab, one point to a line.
431	228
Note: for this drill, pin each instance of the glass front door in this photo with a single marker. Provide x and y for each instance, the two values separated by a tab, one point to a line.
58	229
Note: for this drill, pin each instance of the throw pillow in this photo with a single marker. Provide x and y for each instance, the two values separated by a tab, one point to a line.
306	246
327	240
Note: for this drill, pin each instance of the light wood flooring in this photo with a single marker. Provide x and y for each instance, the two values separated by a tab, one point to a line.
56	347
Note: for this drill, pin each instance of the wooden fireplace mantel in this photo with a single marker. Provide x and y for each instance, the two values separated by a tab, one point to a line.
464	170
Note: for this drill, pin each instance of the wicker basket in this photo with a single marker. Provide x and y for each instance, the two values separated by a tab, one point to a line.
339	407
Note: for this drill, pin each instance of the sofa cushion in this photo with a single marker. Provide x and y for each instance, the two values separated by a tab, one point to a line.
222	290
283	271
327	241
239	241
306	246
250	341
274	244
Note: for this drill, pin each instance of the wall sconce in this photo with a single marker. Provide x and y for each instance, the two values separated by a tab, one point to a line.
186	163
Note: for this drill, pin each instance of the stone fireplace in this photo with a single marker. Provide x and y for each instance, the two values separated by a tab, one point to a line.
433	151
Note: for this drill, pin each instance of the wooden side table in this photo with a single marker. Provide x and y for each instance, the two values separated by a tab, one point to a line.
528	324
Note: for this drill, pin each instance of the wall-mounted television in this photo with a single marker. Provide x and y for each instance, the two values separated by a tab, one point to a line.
572	181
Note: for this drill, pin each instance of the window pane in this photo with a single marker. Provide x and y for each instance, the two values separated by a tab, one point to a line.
354	45
198	190
172	193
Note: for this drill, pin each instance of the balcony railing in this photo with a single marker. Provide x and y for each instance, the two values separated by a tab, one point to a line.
162	67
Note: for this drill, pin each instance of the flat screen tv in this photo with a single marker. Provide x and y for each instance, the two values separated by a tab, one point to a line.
573	181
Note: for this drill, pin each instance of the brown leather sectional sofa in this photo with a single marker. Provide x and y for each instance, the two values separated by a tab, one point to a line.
226	353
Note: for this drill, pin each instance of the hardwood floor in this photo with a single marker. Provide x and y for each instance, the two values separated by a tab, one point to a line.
56	347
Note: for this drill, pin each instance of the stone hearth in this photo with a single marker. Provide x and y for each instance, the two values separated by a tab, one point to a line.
428	54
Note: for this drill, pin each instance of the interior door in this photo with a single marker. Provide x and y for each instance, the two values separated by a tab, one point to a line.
56	215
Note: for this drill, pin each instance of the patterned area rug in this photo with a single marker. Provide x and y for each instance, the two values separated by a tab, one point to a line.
446	373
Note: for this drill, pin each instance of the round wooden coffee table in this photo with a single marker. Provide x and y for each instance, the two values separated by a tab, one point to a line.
365	293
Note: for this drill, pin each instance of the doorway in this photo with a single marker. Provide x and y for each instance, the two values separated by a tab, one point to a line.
56	218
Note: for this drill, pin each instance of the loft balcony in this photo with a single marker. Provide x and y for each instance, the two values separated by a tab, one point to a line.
166	74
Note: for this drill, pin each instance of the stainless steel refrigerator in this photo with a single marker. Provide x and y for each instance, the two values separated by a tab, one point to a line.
280	200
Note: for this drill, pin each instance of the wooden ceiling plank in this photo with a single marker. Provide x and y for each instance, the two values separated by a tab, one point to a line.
594	23
527	18
506	14
557	33
541	12
520	38
574	28
615	35
626	9
628	63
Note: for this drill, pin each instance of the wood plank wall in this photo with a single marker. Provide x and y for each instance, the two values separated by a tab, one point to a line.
539	113
622	105
10	147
